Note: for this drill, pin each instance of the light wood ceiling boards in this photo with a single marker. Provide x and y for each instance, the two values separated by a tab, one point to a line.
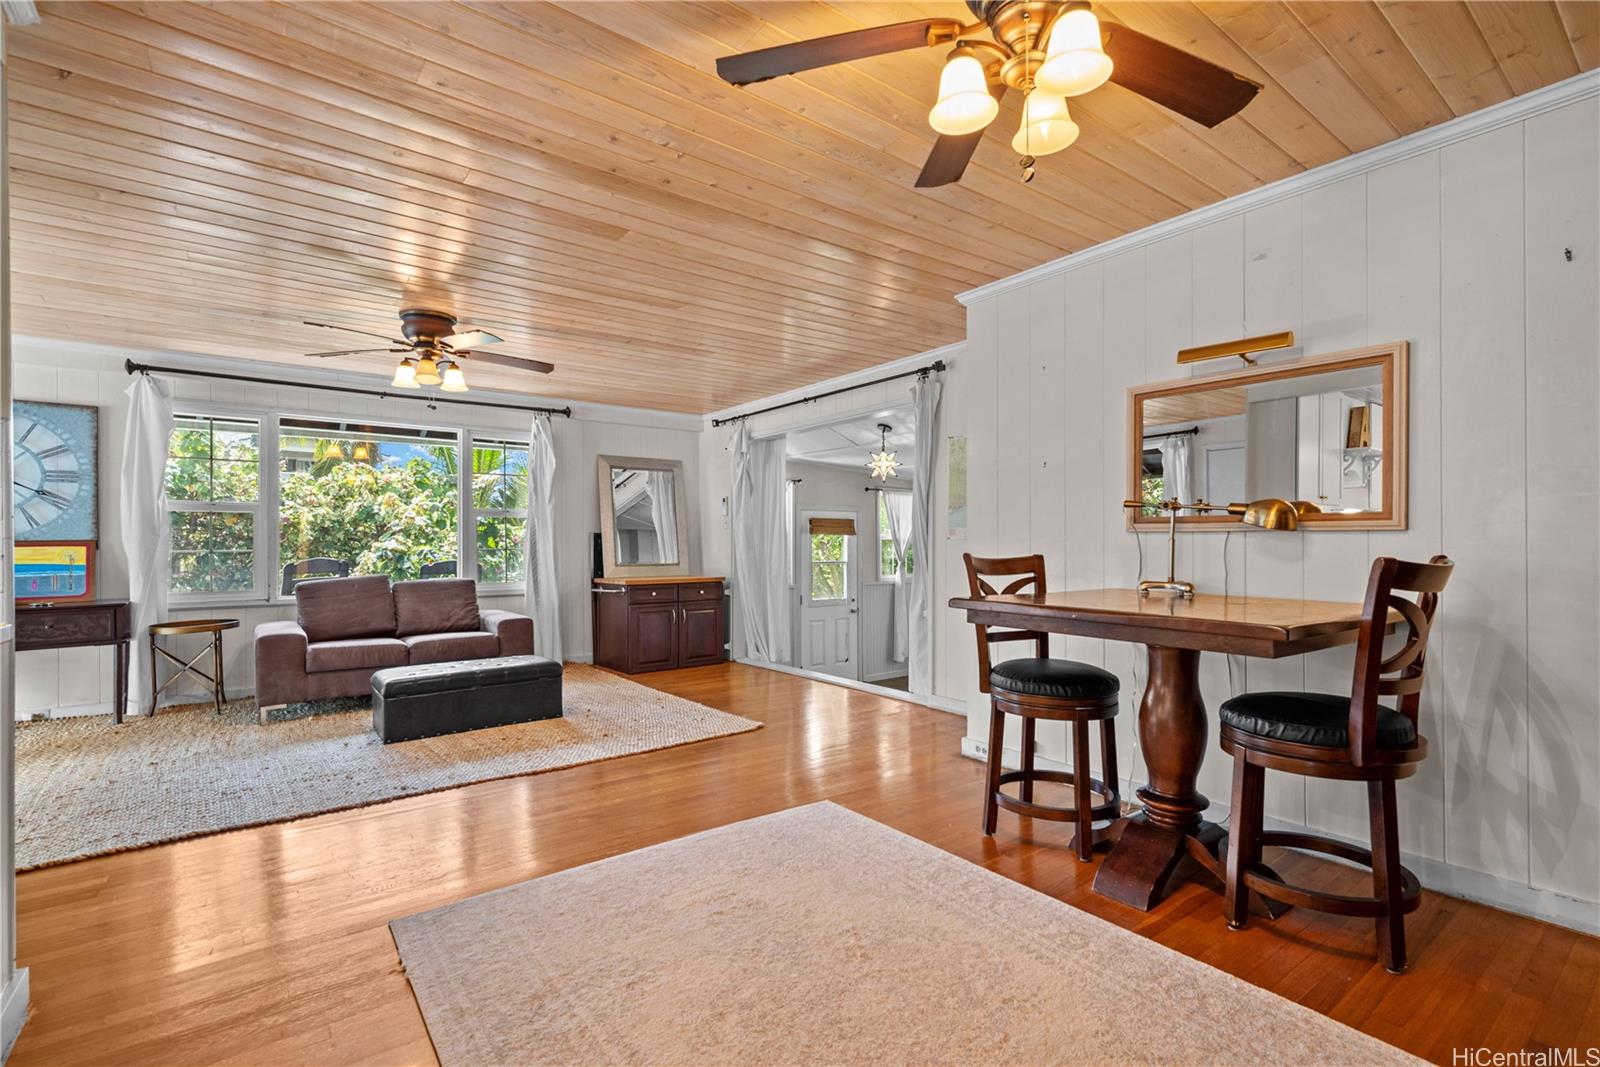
575	177
1194	407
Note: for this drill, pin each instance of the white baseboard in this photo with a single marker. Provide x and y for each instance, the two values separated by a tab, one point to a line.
13	1011
1437	875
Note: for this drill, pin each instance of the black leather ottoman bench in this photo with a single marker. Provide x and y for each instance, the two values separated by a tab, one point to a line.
448	698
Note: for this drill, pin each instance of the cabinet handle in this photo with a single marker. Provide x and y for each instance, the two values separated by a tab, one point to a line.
607	589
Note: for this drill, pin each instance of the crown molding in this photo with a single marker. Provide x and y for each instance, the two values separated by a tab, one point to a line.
1517	109
28	349
843	381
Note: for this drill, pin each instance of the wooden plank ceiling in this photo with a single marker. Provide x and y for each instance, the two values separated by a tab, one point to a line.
574	176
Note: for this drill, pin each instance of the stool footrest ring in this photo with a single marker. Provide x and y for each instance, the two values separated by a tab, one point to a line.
1265	882
1110	806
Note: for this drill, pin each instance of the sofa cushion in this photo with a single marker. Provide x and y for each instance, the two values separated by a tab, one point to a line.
441	648
335	609
360	653
436	606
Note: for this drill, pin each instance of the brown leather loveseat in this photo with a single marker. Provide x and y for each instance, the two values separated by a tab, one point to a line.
346	628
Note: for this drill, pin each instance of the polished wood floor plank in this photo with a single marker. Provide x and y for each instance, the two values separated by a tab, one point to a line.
271	945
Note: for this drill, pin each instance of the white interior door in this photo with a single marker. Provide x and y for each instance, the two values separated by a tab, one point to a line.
829	580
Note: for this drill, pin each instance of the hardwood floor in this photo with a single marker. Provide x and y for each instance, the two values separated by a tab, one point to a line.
270	945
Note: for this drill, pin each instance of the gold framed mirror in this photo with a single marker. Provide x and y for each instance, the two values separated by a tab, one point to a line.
1328	430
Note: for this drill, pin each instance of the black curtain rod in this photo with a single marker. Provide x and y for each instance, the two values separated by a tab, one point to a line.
921	372
1190	432
144	368
885	489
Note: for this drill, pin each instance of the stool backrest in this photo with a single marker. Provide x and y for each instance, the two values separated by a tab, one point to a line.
1401	673
1026	577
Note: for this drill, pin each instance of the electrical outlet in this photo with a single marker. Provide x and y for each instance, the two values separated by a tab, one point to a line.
981	749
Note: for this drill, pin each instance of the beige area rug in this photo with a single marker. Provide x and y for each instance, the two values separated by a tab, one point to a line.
818	936
86	787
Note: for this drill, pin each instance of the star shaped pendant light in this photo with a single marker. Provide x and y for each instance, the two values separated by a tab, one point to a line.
882	465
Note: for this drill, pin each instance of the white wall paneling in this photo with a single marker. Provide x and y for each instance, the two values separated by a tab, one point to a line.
1459	244
78	681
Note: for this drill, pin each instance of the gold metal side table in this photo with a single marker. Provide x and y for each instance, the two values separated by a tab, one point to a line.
214	627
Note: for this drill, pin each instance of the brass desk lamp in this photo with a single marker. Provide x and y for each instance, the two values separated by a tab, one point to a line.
1269	513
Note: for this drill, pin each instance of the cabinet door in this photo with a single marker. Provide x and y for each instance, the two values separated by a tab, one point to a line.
700	633
652	637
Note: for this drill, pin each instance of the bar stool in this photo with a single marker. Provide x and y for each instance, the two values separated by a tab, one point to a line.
1351	738
176	628
1037	688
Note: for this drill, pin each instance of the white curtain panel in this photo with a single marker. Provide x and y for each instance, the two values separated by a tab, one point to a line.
146	534
664	513
539	566
897	505
925	396
1176	466
756	515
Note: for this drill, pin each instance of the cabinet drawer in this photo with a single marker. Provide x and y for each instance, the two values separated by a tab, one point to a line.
47	629
652	594
704	591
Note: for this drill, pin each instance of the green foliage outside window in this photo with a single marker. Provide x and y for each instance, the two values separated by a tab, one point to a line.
393	519
827	567
1152	491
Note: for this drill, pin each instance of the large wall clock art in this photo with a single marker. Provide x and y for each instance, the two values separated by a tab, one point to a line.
55	468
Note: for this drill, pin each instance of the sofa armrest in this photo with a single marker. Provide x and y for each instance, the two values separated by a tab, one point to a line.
515	631
280	663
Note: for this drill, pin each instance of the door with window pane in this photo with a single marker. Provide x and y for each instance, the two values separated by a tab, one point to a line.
829	580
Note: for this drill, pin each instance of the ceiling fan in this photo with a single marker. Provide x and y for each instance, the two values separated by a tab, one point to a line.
434	350
1044	49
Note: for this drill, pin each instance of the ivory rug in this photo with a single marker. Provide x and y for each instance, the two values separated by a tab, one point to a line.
818	936
86	787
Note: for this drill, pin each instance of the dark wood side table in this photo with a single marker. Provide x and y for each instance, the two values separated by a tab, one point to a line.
72	624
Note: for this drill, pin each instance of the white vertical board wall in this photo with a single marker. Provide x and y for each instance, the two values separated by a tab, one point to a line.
1460	251
79	679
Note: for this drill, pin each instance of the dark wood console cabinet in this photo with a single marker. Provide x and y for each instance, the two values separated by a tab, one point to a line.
656	624
73	623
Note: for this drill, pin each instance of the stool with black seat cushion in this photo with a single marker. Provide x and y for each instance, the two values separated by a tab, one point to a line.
1040	687
1353	738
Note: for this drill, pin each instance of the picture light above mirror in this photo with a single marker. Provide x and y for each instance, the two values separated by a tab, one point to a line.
1325	433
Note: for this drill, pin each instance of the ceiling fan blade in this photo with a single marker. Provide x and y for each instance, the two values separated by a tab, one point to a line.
470	339
1193	87
951	153
762	64
353	352
538	366
365	333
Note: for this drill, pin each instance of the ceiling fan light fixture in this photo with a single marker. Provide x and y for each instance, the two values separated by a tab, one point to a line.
1046	126
427	372
405	375
453	381
1075	61
965	105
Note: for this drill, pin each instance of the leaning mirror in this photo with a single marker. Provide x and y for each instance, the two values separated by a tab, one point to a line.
642	517
1327	433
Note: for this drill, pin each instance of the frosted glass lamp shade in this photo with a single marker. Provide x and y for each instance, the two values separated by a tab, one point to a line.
427	371
405	375
1046	126
453	380
1075	62
965	105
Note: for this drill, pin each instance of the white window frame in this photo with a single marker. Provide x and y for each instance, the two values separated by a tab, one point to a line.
809	559
261	526
468	537
267	506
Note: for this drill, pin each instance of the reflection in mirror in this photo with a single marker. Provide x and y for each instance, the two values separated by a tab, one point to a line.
646	519
1311	433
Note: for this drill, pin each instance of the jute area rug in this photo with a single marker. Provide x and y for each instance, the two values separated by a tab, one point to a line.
86	787
817	936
